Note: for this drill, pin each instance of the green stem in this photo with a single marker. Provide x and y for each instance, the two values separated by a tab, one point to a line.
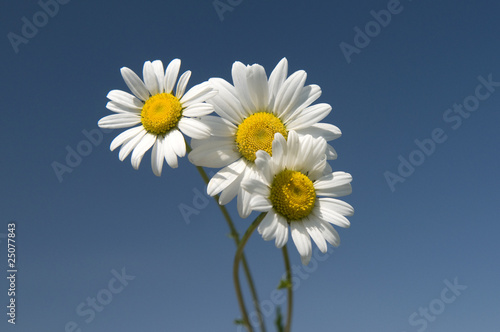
236	237
237	257
289	288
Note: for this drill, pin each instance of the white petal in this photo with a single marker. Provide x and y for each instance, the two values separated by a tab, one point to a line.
240	84
277	77
303	158
170	156
337	205
279	149
326	130
281	232
223	178
198	109
157	156
328	169
311	225
125	137
134	83
329	233
330	152
258	87
260	203
289	93
219	126
311	151
144	145
336	184
310	116
320	168
329	212
224	142
226	102
306	259
243	203
177	142
256	187
131	144
214	152
194	128
266	222
230	191
318	147
181	85
302	241
123	120
125	99
197	94
150	79
171	74
267	227
160	75
263	165
119	108
292	157
306	97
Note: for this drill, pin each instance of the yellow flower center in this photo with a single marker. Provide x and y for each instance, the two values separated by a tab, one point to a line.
257	133
161	113
292	194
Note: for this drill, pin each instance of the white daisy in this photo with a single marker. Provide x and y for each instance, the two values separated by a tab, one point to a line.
251	112
161	114
290	189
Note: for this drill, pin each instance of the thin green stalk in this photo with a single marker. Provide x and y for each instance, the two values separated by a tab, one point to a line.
237	258
289	289
235	235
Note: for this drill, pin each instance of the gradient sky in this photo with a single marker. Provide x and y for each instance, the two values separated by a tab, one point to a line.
406	245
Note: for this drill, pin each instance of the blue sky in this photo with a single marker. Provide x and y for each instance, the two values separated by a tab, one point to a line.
422	251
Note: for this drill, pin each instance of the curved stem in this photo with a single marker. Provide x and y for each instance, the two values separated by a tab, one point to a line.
236	237
237	257
289	289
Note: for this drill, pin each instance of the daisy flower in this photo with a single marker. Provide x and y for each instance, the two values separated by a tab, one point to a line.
160	114
251	113
290	189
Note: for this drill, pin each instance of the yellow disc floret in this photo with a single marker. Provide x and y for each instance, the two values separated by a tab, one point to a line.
257	133
161	113
292	194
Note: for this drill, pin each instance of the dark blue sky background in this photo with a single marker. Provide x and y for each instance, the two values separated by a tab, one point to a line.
440	224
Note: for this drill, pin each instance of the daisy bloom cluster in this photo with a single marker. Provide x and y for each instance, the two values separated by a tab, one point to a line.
267	139
250	113
297	189
160	115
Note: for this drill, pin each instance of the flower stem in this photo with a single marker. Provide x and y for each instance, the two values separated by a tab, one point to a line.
237	257
235	235
289	288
